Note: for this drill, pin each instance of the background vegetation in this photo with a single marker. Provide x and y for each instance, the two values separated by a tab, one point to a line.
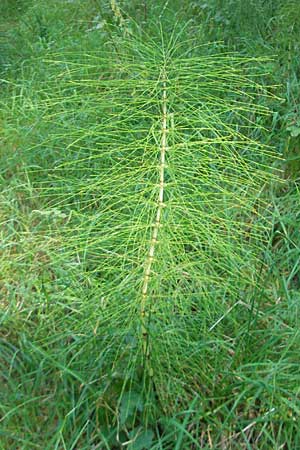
61	385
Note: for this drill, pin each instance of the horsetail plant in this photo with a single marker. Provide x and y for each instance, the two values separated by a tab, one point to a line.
157	162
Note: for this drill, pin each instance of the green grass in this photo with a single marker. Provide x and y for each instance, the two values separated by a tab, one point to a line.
77	371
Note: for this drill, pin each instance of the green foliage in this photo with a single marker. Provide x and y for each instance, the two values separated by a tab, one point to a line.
208	357
161	180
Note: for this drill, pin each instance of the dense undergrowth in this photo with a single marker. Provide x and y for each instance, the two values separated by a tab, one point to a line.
149	225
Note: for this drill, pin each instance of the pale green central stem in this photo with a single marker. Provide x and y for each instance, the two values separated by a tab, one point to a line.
157	223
